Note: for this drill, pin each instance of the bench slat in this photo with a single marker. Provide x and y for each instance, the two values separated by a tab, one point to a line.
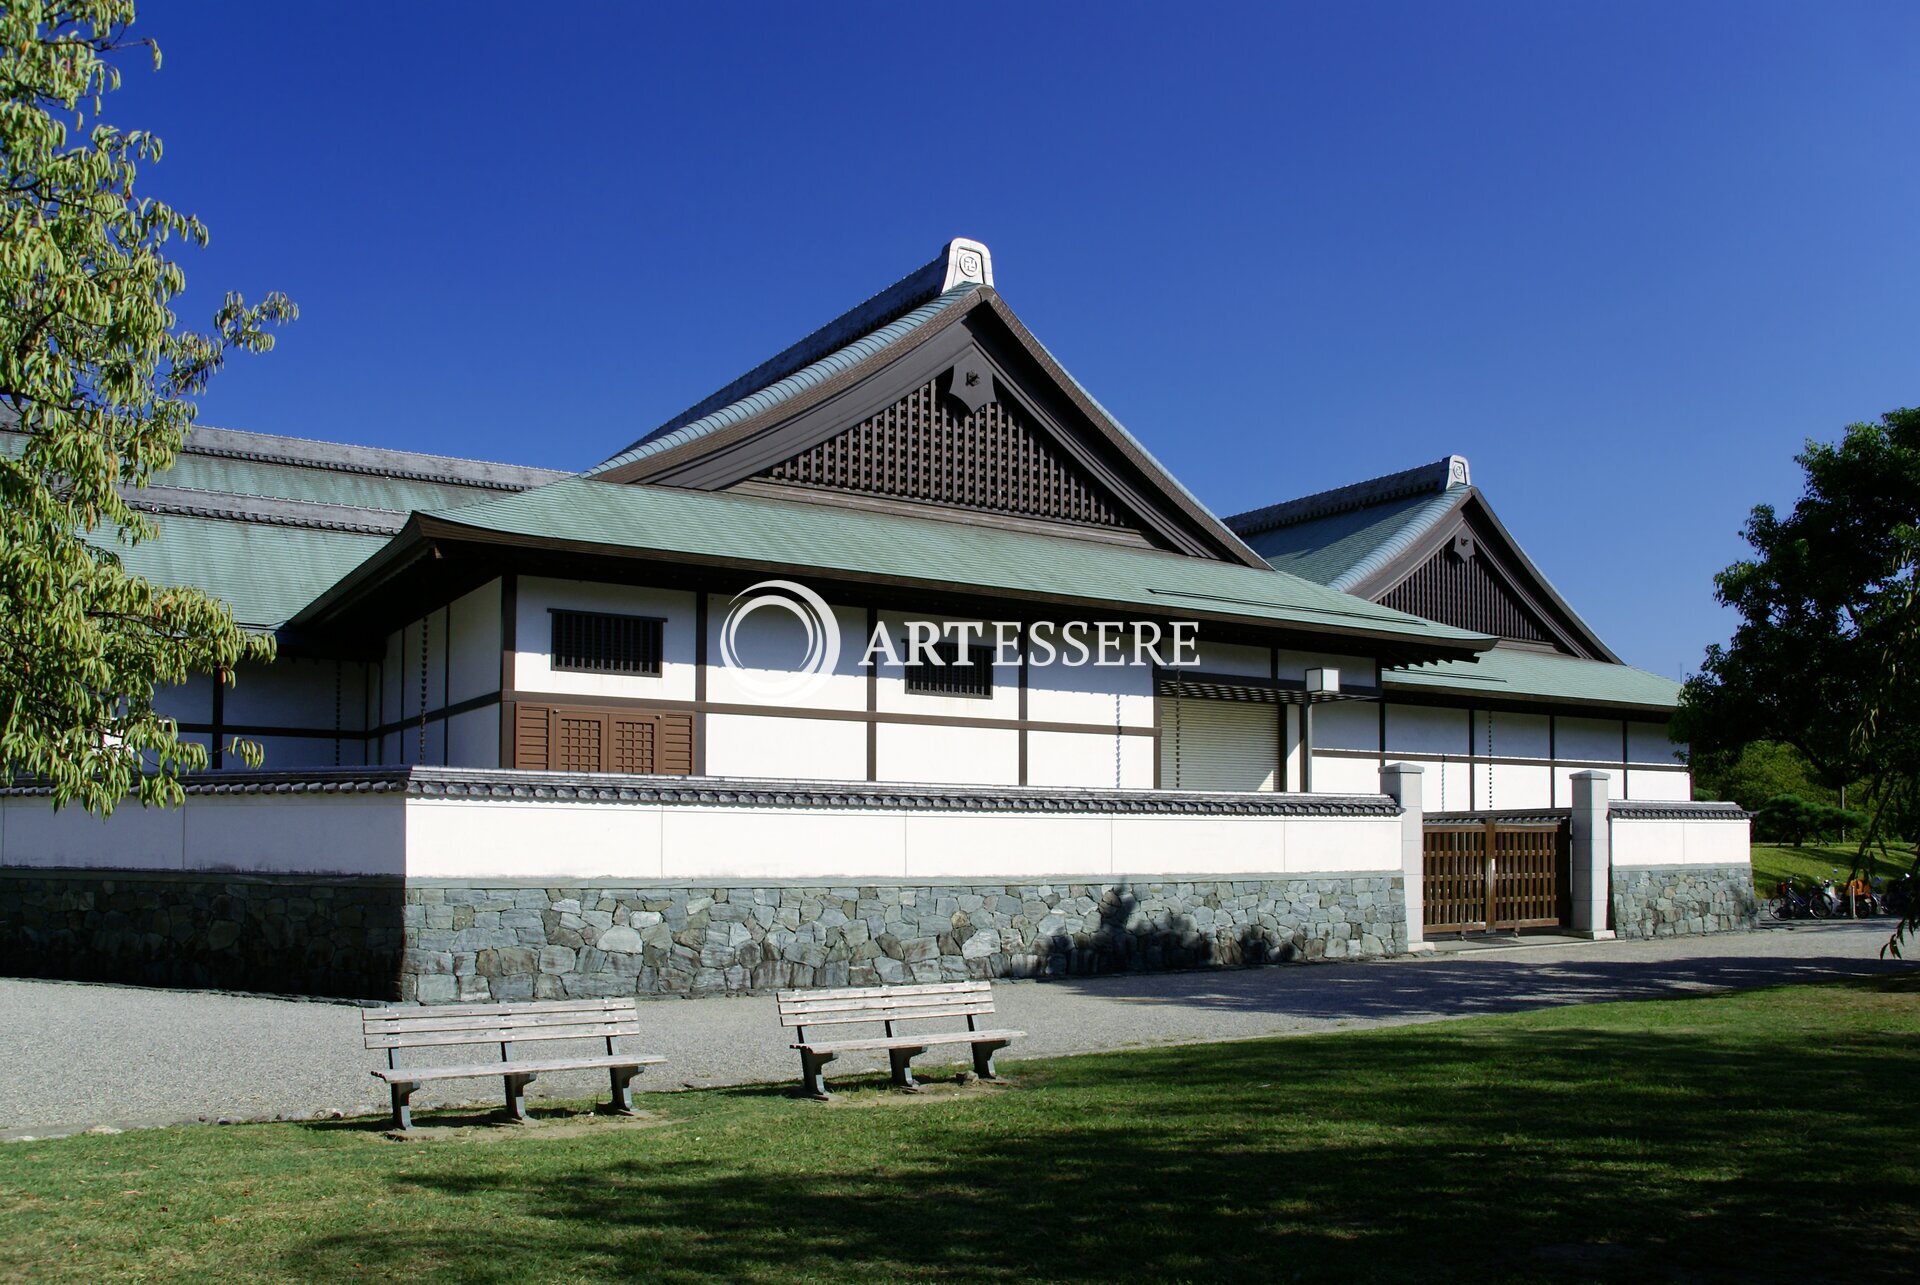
392	1011
875	992
482	1021
905	1001
502	1035
420	1074
912	1041
825	1016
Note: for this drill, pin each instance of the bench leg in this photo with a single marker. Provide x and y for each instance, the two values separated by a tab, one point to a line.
400	1091
902	1060
623	1088
983	1058
517	1096
811	1080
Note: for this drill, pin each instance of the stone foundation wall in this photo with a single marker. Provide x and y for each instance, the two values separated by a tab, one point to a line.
1678	901
287	934
505	941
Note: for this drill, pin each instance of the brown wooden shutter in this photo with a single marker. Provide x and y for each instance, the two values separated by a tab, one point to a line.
530	737
673	750
633	740
601	739
577	741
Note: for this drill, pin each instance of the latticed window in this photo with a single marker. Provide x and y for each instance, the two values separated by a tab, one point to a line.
599	642
970	677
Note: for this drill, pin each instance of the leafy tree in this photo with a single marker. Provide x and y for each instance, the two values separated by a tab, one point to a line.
99	378
1757	772
1826	657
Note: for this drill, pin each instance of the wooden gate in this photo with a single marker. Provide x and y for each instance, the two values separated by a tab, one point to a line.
1493	874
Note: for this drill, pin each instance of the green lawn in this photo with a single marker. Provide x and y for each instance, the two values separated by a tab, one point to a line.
1720	1137
1773	862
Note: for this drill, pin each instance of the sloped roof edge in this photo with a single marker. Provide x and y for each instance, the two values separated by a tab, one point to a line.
1451	471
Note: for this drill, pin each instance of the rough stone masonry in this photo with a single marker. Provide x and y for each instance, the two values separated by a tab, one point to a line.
510	941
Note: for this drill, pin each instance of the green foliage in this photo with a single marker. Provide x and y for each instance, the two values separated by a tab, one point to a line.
98	375
1757	772
1826	657
1812	863
1792	819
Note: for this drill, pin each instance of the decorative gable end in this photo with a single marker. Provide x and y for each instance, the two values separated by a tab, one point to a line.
953	442
1456	586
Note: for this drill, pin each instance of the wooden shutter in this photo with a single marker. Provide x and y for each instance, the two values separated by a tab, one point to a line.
570	738
577	741
530	737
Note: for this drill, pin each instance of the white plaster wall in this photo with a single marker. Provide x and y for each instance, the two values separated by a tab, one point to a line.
948	755
474	630
460	839
1446	783
891	695
320	834
1232	658
752	844
1346	725
189	702
1086	760
1665	785
951	846
1355	671
533	638
815	749
1680	843
1590	740
302	751
1419	729
1647	743
1343	775
1514	736
473	738
771	643
1514	785
1058	693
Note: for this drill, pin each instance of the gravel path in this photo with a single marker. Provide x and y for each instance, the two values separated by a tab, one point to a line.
84	1055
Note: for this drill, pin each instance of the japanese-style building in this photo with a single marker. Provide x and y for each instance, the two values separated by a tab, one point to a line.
523	738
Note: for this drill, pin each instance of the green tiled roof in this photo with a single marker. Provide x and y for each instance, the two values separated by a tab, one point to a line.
265	573
1515	673
327	486
832	540
682	430
1340	549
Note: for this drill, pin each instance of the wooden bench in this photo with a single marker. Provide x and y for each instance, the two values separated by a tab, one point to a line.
889	1006
439	1026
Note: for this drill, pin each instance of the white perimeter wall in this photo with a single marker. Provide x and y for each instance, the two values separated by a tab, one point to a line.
1680	843
540	840
345	834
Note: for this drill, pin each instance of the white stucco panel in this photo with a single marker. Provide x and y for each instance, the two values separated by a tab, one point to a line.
807	749
1014	847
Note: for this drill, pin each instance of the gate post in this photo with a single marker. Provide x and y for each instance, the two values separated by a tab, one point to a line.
1591	858
1402	782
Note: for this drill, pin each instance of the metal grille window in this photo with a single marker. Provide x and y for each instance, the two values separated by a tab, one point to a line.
971	677
598	642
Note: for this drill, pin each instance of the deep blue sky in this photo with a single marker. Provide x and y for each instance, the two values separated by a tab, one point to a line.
1626	258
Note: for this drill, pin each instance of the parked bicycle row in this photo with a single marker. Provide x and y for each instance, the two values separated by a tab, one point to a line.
1828	898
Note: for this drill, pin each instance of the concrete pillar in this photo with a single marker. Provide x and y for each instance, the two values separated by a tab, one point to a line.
1592	872
1402	782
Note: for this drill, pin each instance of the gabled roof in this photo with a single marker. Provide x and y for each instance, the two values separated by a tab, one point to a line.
844	545
1368	538
266	523
842	368
907	304
1342	537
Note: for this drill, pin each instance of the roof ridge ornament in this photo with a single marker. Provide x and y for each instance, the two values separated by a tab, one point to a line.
1457	473
968	262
